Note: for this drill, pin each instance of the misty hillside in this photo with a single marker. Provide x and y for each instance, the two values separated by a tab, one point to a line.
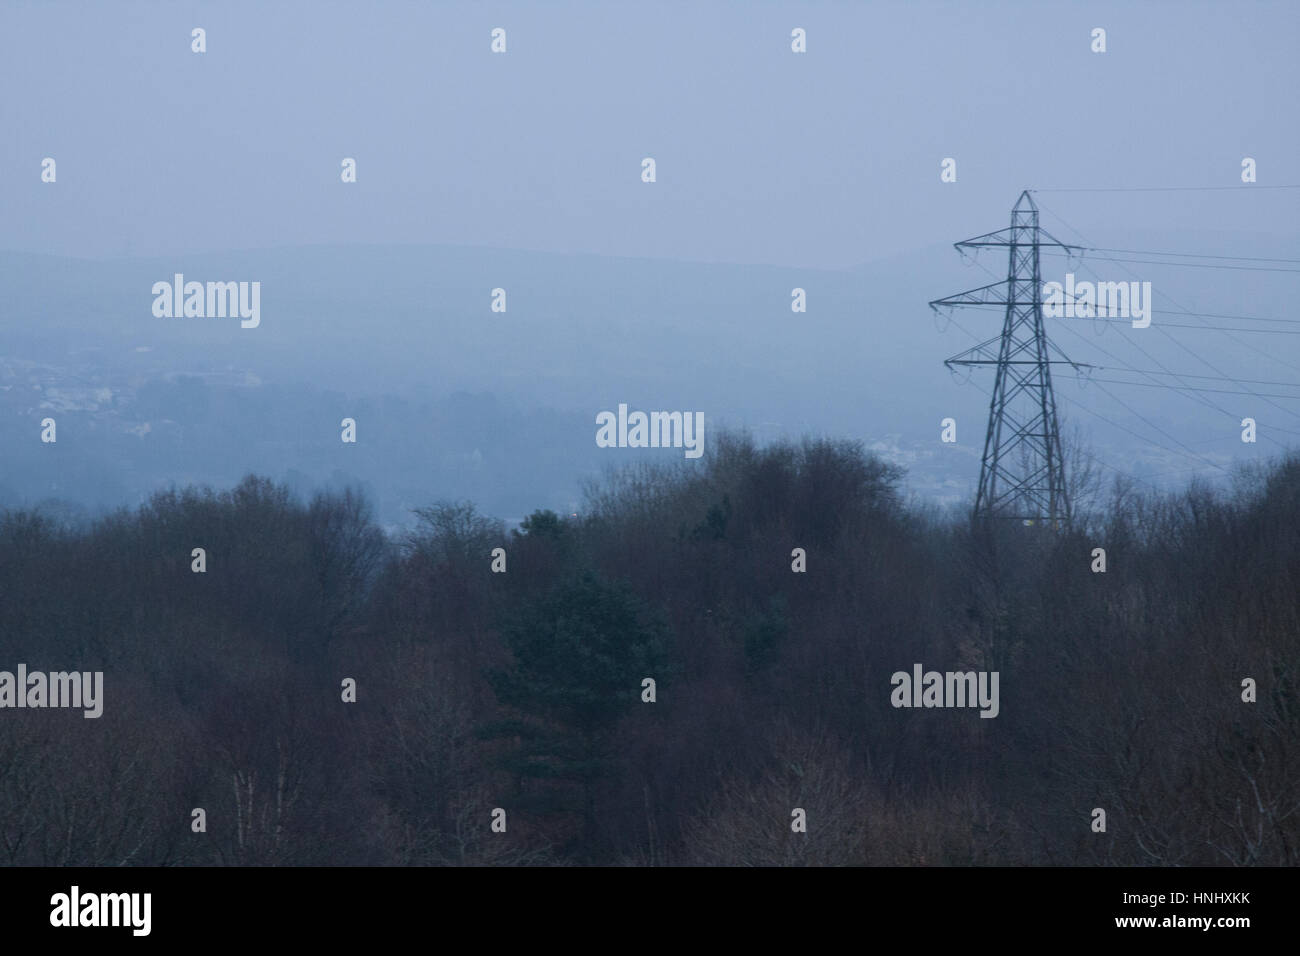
501	407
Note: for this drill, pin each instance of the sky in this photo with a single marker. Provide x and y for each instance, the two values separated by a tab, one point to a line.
826	159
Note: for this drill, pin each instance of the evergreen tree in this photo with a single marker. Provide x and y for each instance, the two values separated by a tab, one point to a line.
580	653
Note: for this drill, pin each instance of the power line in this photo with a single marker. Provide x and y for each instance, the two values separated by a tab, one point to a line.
1184	265
1187	453
1207	315
1200	359
1195	388
1224	315
1104	464
1220	378
1127	366
1143	438
1153	425
1192	391
1164	368
1192	255
1208	328
1153	189
1180	344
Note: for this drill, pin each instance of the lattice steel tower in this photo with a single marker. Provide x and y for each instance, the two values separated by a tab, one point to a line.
1022	473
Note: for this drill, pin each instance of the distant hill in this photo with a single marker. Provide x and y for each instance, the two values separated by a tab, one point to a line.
455	400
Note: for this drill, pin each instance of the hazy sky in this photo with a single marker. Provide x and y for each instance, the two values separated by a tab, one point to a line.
828	159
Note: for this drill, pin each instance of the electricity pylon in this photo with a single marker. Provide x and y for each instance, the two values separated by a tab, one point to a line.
1022	473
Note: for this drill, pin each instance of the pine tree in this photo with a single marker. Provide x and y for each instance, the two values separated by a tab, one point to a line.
580	654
